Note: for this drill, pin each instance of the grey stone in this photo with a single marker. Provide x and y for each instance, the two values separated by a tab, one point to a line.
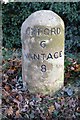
42	35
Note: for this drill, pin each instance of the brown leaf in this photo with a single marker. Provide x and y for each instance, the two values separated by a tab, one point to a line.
51	108
11	70
10	110
67	75
17	113
8	87
77	68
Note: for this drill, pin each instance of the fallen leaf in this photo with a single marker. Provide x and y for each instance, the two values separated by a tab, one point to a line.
8	87
10	110
67	75
11	70
51	108
57	105
78	109
77	69
17	113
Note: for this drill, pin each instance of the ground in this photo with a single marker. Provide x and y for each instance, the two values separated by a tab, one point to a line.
19	104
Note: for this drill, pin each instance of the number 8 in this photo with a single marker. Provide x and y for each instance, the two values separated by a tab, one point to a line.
43	68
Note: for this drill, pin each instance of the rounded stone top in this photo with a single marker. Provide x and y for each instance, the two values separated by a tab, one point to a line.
42	18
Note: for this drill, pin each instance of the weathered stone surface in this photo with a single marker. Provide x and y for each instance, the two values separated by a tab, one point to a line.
42	35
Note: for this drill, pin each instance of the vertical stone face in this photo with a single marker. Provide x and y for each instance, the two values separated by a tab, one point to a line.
42	35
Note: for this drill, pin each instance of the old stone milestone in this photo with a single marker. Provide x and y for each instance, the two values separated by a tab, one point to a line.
42	35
